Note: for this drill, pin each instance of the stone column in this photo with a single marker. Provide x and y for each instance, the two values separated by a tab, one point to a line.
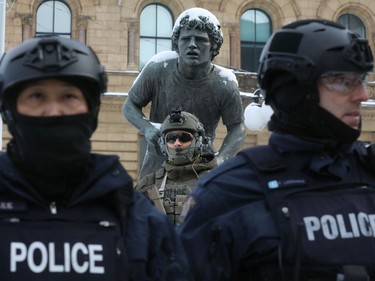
26	21
82	24
132	28
233	46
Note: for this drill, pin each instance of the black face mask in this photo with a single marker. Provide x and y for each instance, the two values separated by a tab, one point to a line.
56	146
312	121
297	111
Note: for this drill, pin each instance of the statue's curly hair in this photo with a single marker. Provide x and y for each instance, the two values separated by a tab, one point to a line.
204	24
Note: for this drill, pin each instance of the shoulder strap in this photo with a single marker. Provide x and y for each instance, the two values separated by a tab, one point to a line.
268	163
264	158
121	199
367	156
273	174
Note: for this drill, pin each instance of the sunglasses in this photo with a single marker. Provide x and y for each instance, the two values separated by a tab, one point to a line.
344	83
181	136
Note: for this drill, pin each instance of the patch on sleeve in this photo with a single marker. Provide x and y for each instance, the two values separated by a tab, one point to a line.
188	205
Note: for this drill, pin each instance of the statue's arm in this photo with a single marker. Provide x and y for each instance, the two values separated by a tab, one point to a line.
232	142
134	114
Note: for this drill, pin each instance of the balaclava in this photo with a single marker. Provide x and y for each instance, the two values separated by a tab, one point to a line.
302	115
51	150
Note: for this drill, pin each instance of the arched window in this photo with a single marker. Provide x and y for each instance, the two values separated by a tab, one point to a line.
54	17
353	23
155	31
255	29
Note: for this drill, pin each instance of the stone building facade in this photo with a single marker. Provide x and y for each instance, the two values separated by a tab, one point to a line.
112	29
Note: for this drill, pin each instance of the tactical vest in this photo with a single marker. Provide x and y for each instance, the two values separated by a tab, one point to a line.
78	243
327	230
173	195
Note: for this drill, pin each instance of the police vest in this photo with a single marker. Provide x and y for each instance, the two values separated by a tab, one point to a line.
327	229
79	243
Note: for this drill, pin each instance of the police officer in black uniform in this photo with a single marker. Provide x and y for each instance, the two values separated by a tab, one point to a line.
303	206
66	213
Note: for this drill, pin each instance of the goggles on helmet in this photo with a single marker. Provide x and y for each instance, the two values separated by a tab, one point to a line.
183	137
344	83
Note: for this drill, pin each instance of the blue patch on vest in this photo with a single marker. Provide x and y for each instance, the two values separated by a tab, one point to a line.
286	183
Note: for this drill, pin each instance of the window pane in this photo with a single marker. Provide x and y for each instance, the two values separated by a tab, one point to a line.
261	17
164	22
344	20
354	23
155	31
53	17
44	17
262	27
255	29
262	32
148	20
163	45
247	26
358	29
62	18
250	55
147	50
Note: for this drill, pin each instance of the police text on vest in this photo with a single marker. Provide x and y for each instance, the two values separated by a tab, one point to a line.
47	252
350	225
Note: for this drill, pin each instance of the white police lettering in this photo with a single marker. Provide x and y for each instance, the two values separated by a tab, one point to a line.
20	253
339	226
6	205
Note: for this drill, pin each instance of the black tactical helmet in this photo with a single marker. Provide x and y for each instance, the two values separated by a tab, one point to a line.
307	49
52	57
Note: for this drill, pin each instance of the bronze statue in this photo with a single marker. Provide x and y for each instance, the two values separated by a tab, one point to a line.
187	78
